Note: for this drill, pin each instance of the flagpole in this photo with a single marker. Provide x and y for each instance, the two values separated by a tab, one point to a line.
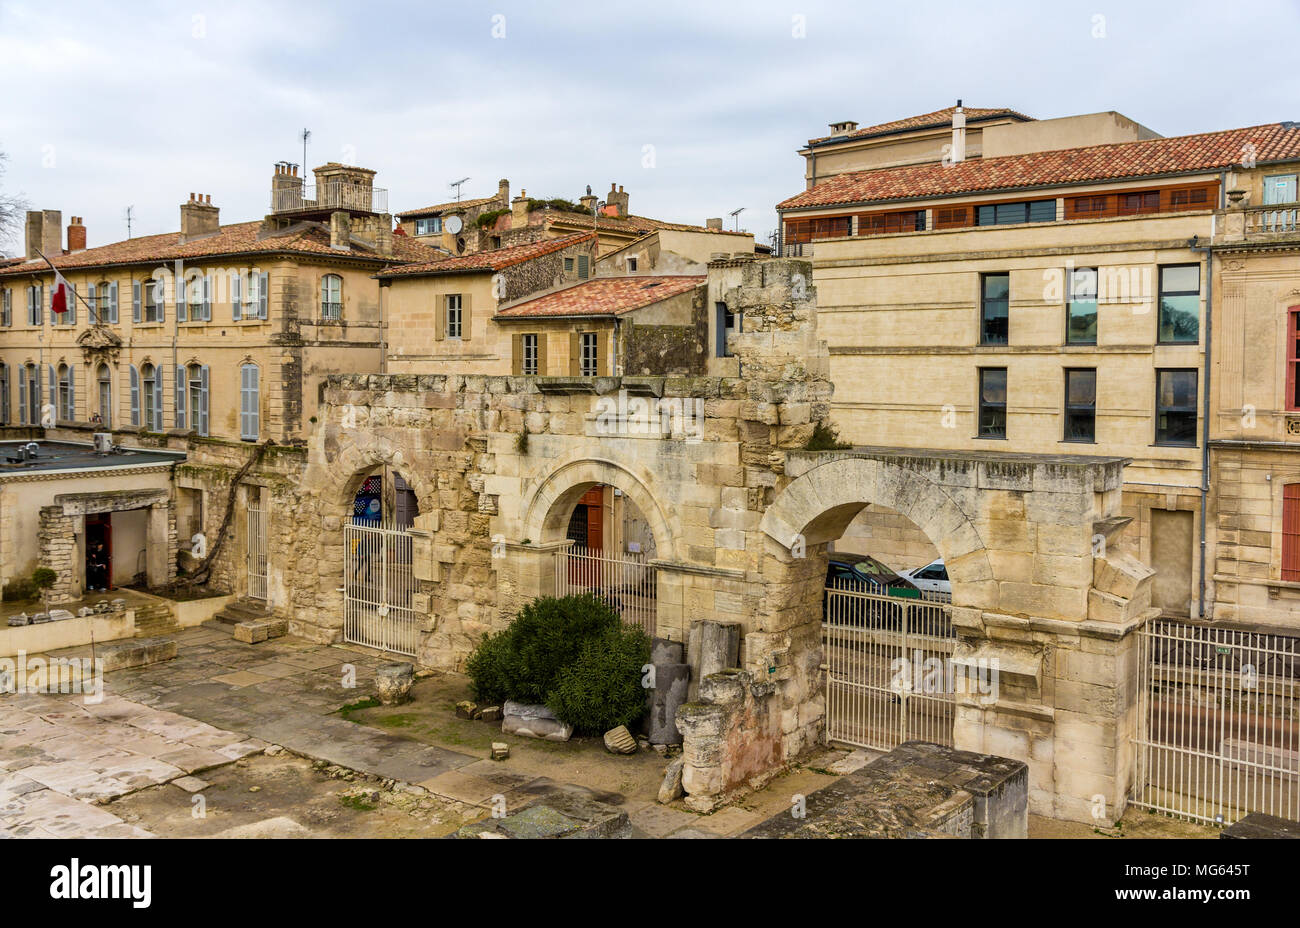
57	274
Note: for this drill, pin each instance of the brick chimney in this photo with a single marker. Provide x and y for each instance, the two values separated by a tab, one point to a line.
958	135
199	217
618	200
503	192
715	224
76	235
44	232
519	211
286	187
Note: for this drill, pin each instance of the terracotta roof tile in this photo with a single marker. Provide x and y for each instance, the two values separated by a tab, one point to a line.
603	296
1210	151
634	224
307	239
933	120
454	205
489	260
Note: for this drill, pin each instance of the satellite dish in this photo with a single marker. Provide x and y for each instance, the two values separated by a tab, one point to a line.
454	224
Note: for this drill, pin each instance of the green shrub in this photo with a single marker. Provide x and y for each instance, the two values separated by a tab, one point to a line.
523	662
826	437
602	688
490	217
43	578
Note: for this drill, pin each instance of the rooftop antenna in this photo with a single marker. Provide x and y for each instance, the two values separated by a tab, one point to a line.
456	184
306	136
129	210
735	214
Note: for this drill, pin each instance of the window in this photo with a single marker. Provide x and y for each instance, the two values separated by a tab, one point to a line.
6	307
249	410
104	410
29	395
151	398
1291	532
529	361
994	296
1001	214
428	226
67	400
1081	404
331	297
1279	188
197	380
1180	304
631	265
35	297
878	223
590	360
1190	198
1081	307
802	231
584	262
1175	407
4	393
993	402
1293	359
103	303
725	323
568	265
69	314
952	217
154	291
1144	201
454	327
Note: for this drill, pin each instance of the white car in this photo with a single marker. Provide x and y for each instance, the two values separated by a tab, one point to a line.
932	578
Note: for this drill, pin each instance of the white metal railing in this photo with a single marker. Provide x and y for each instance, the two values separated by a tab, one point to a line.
888	663
256	550
378	586
1283	218
331	311
625	581
1218	733
333	194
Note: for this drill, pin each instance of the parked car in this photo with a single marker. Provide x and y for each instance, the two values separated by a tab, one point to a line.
932	578
861	574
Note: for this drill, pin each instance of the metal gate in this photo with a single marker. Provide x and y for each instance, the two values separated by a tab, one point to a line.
889	672
377	588
256	545
627	582
1218	732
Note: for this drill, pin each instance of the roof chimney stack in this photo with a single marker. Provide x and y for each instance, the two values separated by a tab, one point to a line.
44	232
519	211
714	224
503	192
76	235
958	135
618	200
199	217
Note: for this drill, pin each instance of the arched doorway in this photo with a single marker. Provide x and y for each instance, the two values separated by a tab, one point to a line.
378	580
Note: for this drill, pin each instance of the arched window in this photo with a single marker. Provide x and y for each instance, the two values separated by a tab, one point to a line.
250	419
67	400
104	388
197	379
331	297
150	398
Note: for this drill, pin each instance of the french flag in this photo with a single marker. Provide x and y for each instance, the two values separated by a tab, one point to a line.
62	294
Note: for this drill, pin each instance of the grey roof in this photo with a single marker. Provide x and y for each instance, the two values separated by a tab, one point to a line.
75	456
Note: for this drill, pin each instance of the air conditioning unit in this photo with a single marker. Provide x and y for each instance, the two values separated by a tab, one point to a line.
103	442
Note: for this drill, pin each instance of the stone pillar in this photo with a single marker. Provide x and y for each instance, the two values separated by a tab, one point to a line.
159	544
56	537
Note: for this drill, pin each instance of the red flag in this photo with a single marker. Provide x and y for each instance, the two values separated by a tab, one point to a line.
62	294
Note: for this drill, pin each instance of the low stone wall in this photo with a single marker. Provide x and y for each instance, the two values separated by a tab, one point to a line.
66	633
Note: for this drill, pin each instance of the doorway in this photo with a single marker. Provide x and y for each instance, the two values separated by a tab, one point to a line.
1172	544
586	525
99	552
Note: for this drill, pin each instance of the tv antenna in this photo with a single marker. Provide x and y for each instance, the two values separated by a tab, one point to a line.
129	211
456	184
306	137
735	214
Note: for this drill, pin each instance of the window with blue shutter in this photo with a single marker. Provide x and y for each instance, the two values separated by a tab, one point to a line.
235	308
263	289
180	397
92	311
202	412
182	298
249	418
112	302
135	301
207	297
135	395
22	395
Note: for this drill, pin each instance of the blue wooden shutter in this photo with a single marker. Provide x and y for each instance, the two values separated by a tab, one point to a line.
263	285
22	395
160	296
92	314
72	392
249	409
202	411
182	298
112	302
135	301
234	295
135	395
53	397
180	397
207	297
72	304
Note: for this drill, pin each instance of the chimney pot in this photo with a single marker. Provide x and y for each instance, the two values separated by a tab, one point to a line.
76	235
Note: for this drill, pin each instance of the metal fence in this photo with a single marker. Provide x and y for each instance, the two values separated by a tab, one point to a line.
1218	735
625	581
888	664
256	551
377	588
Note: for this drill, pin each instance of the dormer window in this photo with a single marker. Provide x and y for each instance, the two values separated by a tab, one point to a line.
429	226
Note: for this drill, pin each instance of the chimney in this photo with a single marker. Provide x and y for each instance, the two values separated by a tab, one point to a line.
76	235
617	199
958	135
715	224
286	187
199	217
519	211
340	230
844	127
44	232
589	202
503	192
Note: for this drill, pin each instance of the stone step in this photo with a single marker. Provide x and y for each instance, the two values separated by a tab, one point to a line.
243	610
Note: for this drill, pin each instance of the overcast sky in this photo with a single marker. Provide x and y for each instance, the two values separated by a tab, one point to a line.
697	108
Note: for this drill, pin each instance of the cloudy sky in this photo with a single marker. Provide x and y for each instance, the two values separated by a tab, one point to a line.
697	108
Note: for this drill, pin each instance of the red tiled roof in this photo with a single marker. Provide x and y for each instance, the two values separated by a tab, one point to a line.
634	224
454	205
489	260
933	120
307	239
603	296
1210	151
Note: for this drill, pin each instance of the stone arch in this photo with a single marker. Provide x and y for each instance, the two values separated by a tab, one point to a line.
546	509
819	504
353	462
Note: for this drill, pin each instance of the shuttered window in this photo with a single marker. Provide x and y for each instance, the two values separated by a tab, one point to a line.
249	418
6	307
1293	358
1291	532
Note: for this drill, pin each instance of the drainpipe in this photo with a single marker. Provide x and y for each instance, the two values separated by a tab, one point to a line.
613	366
1205	403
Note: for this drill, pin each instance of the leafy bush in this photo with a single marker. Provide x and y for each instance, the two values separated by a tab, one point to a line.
826	437
523	662
43	578
602	688
490	217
